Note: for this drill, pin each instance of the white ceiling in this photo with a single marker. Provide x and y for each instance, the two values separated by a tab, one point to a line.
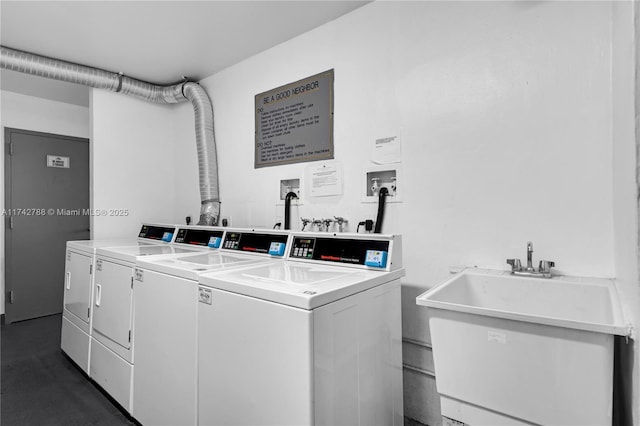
155	41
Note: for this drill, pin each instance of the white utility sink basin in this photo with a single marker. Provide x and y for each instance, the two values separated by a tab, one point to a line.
513	350
573	302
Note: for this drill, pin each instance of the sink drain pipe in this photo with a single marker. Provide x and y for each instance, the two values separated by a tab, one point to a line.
41	66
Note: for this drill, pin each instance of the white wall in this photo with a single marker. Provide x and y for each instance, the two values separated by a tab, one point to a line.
40	115
505	139
504	112
625	191
133	163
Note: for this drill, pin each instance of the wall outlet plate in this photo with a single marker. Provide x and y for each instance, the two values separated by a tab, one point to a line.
387	176
289	185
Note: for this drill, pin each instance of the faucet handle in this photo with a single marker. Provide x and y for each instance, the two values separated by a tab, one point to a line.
545	266
515	264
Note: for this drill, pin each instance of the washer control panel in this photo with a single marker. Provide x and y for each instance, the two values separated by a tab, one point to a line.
269	244
211	238
156	232
371	253
303	248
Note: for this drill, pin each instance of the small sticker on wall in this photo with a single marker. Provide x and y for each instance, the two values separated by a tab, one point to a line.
139	273
496	336
58	161
98	265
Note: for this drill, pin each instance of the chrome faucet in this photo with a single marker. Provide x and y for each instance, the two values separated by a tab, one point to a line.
544	268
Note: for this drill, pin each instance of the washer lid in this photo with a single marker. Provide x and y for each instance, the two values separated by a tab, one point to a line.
190	266
130	254
90	246
305	286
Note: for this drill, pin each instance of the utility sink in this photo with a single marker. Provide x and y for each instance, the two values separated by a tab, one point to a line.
572	302
514	350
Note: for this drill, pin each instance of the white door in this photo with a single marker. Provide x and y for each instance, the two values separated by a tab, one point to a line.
77	285
112	301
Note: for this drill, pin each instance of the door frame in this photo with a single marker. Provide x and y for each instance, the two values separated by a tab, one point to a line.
7	254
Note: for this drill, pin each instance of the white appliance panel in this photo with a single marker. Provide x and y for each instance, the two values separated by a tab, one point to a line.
112	373
113	297
302	285
75	343
129	254
358	359
77	285
90	246
250	344
166	350
192	265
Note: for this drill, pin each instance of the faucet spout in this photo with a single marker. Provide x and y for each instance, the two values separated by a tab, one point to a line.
529	256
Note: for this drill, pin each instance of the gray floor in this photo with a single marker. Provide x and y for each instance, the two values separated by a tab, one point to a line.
41	386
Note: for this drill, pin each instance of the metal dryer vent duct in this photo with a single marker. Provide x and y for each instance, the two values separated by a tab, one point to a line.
41	66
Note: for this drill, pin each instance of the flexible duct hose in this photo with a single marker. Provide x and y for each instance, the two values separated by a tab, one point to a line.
69	72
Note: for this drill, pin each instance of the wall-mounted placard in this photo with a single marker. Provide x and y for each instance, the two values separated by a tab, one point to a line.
294	123
58	161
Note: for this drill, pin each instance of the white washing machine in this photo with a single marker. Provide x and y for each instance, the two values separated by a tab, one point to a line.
165	322
315	340
75	338
111	355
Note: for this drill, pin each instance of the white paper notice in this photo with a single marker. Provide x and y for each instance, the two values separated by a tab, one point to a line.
325	180
386	150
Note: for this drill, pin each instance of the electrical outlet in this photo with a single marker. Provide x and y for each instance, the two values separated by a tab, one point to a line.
225	221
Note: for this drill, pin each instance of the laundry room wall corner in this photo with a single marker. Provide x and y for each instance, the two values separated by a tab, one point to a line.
133	164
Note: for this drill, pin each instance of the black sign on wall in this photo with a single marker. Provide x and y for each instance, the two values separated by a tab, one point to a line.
294	123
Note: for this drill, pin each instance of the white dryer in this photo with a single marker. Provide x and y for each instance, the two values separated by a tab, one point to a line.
111	356
165	321
75	338
314	340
